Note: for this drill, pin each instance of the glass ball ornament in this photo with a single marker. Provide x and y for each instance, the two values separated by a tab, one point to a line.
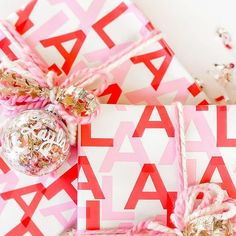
35	142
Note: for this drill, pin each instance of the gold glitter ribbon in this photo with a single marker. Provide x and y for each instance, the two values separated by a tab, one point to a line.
77	100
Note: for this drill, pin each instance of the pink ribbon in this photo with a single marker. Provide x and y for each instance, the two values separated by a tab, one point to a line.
31	67
214	213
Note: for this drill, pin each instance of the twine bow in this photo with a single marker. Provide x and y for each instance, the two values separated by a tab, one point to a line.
200	210
27	84
18	93
214	214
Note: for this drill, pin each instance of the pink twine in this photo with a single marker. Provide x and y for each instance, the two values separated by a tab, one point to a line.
31	66
188	211
180	147
29	59
90	75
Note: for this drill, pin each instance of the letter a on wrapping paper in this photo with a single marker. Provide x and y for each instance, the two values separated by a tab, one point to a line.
26	225
68	56
148	170
92	183
139	155
145	122
217	163
147	58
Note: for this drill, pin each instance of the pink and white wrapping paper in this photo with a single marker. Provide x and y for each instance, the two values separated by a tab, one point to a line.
211	145
128	166
70	35
128	170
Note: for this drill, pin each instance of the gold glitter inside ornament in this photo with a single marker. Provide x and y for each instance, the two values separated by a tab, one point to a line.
35	142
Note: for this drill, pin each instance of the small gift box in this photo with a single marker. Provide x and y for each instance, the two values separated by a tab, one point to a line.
127	172
67	36
211	145
131	173
76	35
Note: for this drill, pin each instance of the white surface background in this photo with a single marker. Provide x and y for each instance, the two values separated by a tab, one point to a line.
189	27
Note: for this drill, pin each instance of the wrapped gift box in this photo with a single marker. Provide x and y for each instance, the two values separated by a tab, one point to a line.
129	171
211	145
71	35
